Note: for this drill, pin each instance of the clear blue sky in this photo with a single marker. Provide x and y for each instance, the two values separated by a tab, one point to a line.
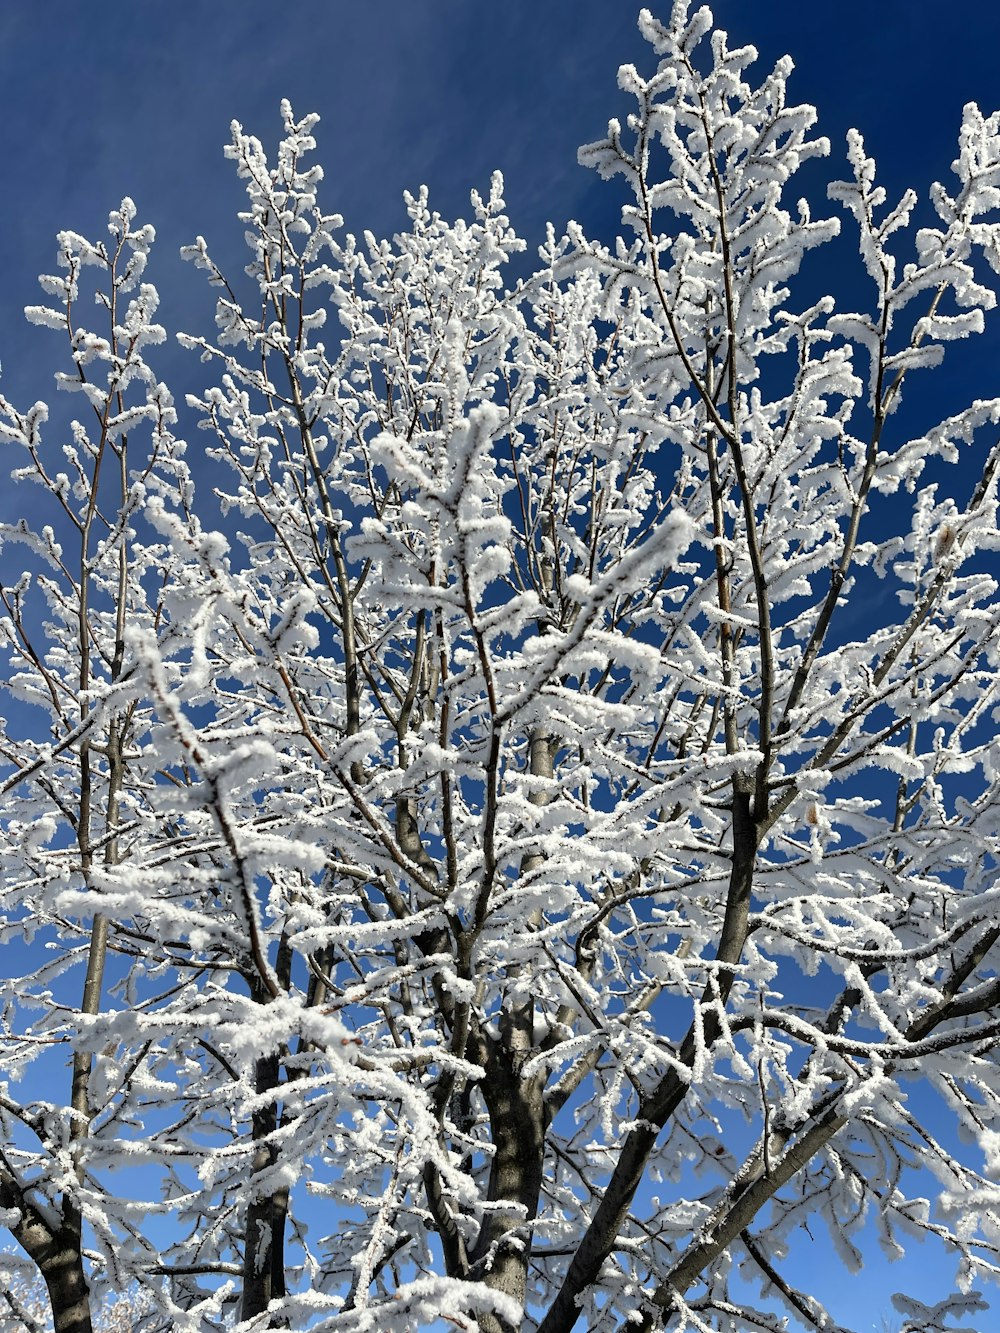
135	98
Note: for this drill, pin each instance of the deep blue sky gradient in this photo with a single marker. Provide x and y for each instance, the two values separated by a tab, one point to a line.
136	99
111	99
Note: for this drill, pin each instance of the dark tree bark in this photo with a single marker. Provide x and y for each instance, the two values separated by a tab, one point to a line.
517	1119
58	1256
659	1105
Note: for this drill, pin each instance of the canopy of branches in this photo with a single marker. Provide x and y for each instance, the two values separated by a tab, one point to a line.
535	848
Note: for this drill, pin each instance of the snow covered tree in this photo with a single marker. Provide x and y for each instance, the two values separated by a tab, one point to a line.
536	849
26	1307
71	784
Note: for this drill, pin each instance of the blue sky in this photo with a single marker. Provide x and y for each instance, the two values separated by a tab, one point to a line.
111	99
136	99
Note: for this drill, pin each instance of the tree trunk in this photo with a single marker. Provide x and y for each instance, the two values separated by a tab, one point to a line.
263	1248
59	1259
517	1120
61	1267
517	1115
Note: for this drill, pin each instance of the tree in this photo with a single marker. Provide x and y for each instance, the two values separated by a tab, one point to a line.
26	1306
565	770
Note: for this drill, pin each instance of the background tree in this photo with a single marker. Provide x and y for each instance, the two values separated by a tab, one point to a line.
569	773
27	1308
